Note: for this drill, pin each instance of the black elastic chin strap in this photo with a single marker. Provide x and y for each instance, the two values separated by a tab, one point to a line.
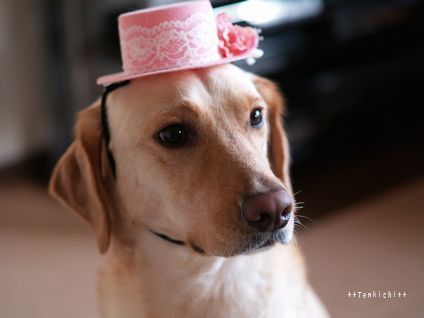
106	137
105	122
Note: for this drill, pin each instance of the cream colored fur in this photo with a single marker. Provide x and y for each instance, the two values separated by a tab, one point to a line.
192	194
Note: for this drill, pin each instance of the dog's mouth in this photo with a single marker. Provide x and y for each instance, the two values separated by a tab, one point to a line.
260	242
268	243
254	244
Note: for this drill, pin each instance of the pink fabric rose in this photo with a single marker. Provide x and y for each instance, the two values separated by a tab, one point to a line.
233	39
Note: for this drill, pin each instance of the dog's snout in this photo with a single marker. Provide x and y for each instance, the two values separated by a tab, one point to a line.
268	211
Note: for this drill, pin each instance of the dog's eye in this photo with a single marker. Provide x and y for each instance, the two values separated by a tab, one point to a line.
173	135
256	118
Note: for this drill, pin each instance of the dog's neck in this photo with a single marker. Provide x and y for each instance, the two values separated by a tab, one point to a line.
175	279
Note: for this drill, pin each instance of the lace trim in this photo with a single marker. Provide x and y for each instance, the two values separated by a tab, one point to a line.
170	44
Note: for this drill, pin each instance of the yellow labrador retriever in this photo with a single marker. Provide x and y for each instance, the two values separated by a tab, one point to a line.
189	195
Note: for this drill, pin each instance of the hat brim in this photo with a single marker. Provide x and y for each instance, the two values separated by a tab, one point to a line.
123	76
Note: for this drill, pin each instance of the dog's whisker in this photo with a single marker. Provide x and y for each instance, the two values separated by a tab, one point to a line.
299	224
305	217
296	193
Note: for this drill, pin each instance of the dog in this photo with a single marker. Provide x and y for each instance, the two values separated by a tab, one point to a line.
196	213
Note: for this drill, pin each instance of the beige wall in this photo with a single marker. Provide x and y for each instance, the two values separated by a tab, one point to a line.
24	117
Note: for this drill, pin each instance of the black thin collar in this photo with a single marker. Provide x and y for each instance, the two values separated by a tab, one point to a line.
167	238
164	237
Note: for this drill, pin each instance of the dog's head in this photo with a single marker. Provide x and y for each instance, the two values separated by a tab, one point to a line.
201	157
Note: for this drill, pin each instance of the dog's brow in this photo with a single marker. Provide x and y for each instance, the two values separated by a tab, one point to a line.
255	100
185	107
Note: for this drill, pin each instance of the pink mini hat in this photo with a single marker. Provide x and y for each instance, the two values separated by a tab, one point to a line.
179	37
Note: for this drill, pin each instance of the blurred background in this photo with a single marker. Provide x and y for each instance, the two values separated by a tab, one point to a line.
352	75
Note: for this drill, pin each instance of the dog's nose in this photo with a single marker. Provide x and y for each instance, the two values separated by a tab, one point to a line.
268	211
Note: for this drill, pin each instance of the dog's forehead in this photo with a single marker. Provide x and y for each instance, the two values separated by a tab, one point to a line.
227	81
203	87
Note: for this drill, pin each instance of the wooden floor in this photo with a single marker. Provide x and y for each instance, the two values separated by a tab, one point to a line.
48	257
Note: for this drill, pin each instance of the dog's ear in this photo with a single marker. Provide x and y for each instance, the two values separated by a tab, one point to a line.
278	146
80	179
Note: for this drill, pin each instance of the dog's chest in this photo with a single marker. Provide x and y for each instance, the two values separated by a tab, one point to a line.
236	288
264	285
